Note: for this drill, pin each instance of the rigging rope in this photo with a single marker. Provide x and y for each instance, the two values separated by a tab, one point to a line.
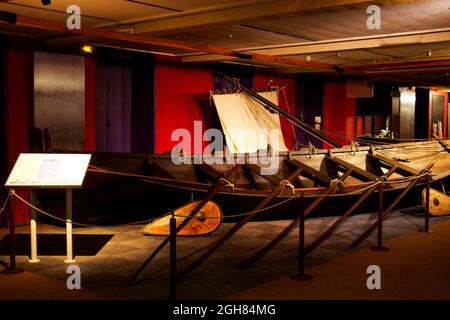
293	196
297	143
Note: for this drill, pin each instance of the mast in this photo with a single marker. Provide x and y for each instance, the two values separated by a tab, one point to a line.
274	108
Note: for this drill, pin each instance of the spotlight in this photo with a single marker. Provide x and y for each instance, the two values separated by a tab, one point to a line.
86	48
242	55
339	69
46	2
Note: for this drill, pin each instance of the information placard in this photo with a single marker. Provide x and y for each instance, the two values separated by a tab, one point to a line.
51	170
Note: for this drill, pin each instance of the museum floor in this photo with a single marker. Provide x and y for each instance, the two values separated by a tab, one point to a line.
416	267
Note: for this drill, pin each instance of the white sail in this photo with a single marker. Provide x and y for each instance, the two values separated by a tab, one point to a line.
249	127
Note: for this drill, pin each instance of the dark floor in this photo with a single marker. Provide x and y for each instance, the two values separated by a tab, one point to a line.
218	277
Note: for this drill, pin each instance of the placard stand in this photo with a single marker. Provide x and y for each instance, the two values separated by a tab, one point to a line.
38	170
70	258
33	228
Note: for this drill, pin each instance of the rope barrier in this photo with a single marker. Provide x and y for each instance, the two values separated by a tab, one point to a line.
6	202
379	180
246	213
147	220
78	223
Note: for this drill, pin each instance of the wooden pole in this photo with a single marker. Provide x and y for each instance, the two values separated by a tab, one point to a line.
299	123
371	228
260	253
237	226
330	229
283	234
212	192
355	205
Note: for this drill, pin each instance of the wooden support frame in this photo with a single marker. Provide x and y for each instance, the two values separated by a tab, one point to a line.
158	170
216	188
387	212
389	163
310	172
274	180
251	179
358	173
324	235
260	253
275	191
209	171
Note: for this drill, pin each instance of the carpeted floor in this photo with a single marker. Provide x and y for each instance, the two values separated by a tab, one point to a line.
55	244
30	286
417	266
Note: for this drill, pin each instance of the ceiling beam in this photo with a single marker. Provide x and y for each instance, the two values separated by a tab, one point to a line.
174	44
241	11
359	43
339	45
400	65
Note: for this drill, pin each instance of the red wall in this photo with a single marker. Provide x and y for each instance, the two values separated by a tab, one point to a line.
338	112
90	104
175	104
20	102
265	81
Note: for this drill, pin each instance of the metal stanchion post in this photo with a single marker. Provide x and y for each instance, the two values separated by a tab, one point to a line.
173	258
379	246
301	276
12	236
426	228
11	269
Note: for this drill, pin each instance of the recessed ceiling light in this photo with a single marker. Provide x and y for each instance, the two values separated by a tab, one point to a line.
86	48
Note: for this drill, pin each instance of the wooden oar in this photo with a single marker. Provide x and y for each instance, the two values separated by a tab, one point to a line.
344	216
275	191
387	212
221	183
283	234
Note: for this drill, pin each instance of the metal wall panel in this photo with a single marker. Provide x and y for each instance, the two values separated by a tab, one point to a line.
437	108
113	116
59	97
407	108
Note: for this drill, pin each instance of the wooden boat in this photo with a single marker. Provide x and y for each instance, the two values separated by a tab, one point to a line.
203	223
119	187
439	202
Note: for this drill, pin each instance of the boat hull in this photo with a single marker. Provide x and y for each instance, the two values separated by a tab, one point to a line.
126	188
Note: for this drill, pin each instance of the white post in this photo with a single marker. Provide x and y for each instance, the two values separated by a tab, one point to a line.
70	258
33	229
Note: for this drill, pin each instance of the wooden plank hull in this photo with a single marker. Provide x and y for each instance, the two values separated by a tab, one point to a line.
118	188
